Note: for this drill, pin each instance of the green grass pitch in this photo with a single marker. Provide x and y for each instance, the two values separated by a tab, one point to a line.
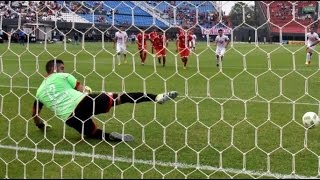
240	121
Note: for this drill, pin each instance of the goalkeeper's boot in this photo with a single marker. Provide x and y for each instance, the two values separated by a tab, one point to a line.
161	98
114	136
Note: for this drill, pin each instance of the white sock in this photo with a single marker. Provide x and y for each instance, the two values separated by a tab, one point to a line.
118	57
308	57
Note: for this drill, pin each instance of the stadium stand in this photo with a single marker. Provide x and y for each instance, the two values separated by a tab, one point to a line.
102	12
281	15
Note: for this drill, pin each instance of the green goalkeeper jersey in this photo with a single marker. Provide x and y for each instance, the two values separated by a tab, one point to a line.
57	92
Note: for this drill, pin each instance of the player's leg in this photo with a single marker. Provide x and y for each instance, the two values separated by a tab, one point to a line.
222	51
82	122
185	61
309	62
163	54
144	55
218	60
124	52
118	54
95	104
309	55
218	57
139	97
141	54
308	58
164	60
104	101
194	45
158	54
89	129
159	59
183	54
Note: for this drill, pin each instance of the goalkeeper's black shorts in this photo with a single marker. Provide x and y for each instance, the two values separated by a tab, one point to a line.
92	104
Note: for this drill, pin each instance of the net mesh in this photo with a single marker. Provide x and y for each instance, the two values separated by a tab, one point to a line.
239	120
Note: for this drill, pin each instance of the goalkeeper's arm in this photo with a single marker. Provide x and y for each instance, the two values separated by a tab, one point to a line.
82	88
37	106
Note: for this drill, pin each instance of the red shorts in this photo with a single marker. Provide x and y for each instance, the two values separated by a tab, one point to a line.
161	52
184	52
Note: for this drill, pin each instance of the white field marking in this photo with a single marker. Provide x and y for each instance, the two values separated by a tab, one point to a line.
20	87
157	163
193	97
224	67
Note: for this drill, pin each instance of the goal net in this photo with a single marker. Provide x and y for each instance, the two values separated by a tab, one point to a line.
236	117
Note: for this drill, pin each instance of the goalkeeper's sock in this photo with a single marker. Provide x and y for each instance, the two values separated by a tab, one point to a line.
164	61
97	134
137	97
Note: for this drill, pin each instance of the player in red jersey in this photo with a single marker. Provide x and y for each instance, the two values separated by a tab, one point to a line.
160	43
141	40
182	46
153	35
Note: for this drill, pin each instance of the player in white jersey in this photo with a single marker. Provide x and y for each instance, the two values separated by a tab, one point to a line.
192	44
121	38
222	42
312	40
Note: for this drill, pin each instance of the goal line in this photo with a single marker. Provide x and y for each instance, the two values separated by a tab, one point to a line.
154	163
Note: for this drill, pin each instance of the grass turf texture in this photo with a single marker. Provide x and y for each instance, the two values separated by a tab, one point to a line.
246	115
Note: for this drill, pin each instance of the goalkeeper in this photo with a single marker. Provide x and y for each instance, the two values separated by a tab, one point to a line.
72	103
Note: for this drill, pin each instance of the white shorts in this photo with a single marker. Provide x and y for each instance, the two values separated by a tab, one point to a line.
192	44
220	51
121	49
312	48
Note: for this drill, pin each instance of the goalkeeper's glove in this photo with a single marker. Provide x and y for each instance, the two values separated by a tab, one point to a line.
88	89
43	125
